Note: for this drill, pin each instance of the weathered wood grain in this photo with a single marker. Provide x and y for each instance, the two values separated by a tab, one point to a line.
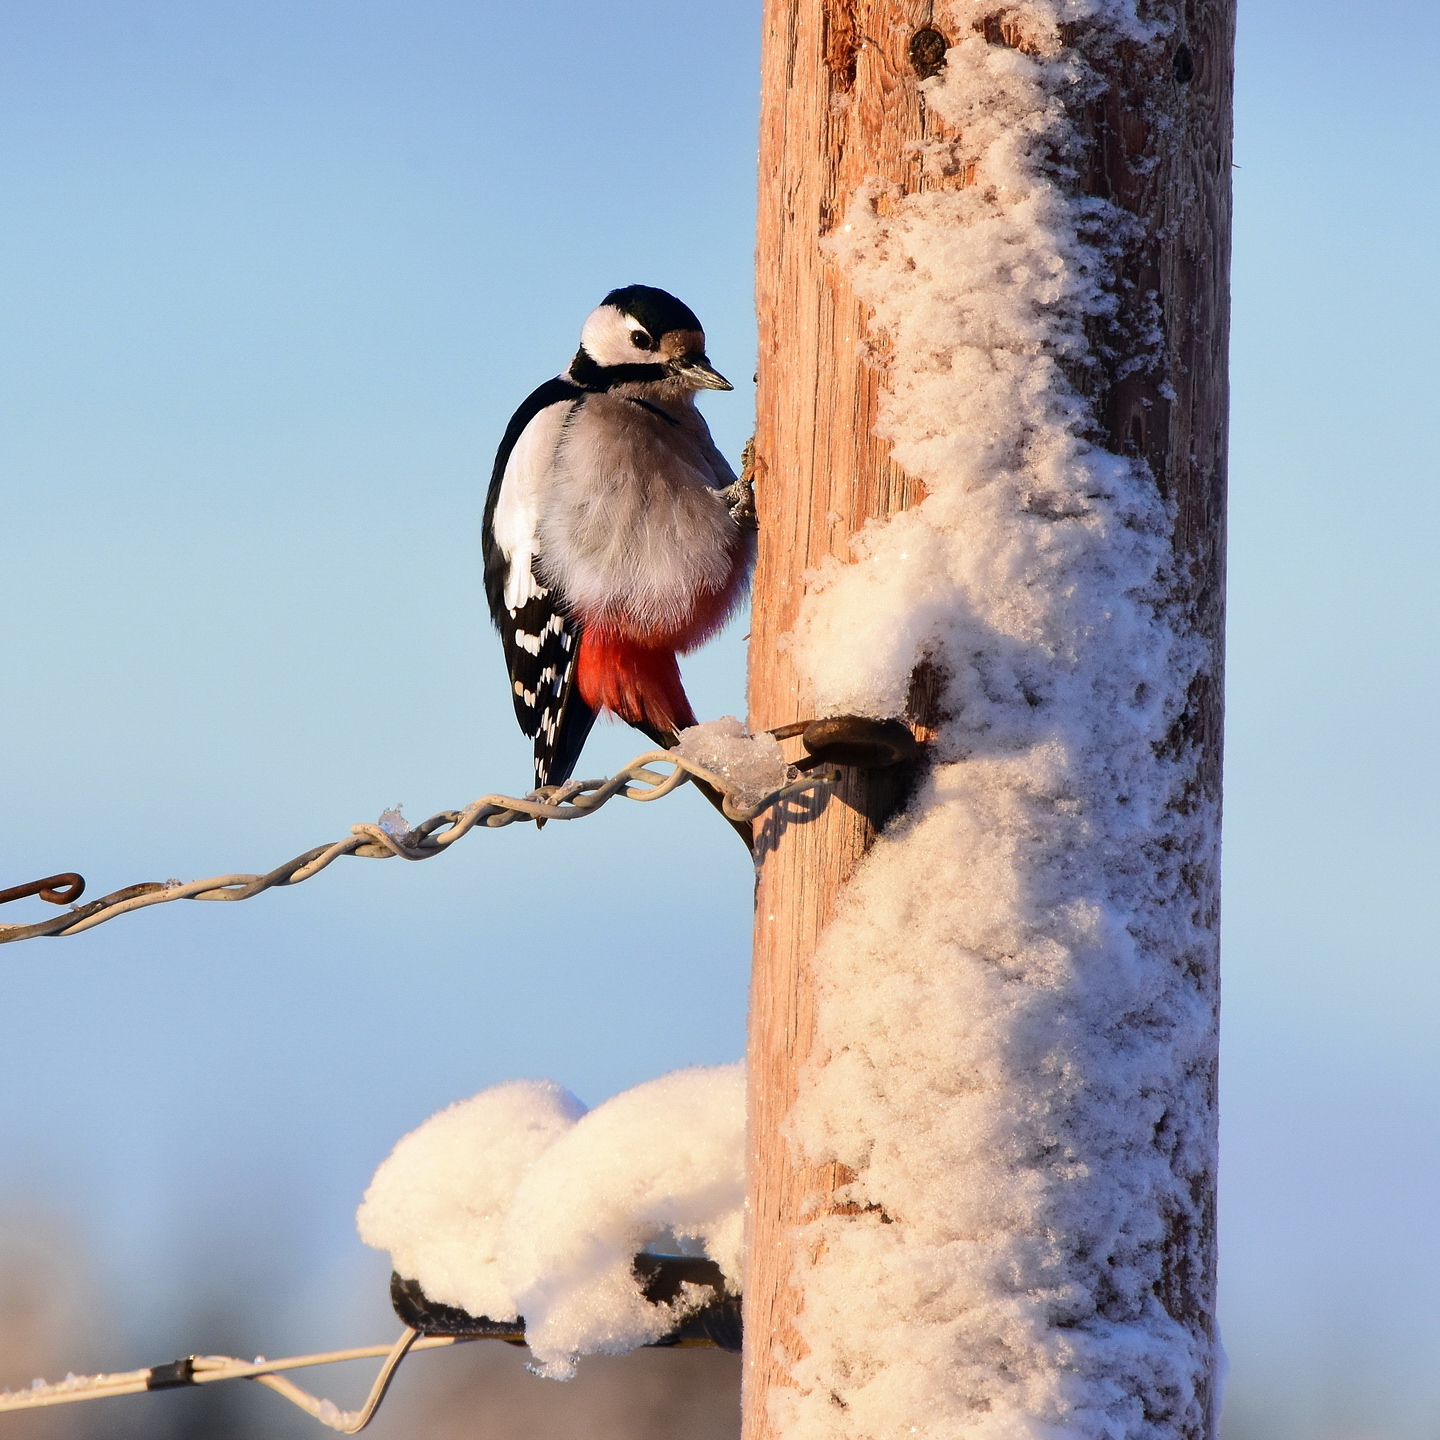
841	106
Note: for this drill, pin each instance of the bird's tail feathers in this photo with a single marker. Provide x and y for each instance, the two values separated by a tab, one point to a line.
558	753
642	685
638	683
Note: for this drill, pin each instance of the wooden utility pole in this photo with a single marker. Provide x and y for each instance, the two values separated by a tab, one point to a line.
841	105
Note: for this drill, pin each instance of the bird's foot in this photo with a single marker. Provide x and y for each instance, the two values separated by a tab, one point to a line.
739	497
739	500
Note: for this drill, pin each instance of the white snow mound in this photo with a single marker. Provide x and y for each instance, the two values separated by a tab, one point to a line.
438	1202
519	1203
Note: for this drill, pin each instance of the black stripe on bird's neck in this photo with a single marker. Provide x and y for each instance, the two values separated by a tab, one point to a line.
589	375
665	415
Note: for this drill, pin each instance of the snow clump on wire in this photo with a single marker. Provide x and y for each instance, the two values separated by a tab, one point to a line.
521	1203
751	766
393	821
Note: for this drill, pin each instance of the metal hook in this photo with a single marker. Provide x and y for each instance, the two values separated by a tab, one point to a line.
56	889
852	740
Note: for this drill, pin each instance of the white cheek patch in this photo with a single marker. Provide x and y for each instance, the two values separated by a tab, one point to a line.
606	338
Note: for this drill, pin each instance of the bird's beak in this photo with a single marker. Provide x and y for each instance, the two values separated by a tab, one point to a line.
696	370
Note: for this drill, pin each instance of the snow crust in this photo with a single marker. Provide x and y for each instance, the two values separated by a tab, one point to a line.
752	766
439	1202
666	1159
1012	1052
519	1202
393	822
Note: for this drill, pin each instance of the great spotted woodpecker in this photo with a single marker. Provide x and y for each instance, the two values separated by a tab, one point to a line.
616	535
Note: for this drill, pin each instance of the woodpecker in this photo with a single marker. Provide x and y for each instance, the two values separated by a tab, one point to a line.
616	535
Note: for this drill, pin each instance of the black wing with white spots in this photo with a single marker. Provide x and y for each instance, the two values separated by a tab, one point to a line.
540	639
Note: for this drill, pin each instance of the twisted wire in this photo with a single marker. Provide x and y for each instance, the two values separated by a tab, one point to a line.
206	1369
572	801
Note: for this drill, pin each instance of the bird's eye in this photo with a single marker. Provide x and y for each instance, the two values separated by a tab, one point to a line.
641	341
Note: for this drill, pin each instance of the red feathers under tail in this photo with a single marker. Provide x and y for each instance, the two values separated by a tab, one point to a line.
639	684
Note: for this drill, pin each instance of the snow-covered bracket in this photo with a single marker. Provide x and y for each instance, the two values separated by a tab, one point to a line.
520	1215
606	1229
663	1281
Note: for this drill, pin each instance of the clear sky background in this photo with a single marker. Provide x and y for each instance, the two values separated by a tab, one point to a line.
272	278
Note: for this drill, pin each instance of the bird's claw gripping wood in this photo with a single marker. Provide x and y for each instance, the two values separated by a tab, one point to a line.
740	502
740	497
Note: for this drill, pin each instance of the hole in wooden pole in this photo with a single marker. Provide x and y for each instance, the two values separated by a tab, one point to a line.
927	52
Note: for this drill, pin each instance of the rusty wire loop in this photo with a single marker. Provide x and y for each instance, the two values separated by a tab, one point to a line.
571	801
56	889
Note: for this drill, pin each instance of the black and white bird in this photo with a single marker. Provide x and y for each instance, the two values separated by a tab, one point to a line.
616	535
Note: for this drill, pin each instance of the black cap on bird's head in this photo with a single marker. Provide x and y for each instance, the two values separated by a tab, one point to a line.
657	310
642	333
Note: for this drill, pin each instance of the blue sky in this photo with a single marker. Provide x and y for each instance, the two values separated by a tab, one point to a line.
272	278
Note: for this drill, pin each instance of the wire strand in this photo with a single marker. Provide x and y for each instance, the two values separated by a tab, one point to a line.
572	801
207	1369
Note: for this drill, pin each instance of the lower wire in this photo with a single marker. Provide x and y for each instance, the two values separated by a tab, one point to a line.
206	1369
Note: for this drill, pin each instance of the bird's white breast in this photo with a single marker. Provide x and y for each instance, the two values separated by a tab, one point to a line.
629	522
517	510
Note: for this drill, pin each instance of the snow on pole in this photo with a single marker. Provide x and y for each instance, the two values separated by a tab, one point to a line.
990	457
